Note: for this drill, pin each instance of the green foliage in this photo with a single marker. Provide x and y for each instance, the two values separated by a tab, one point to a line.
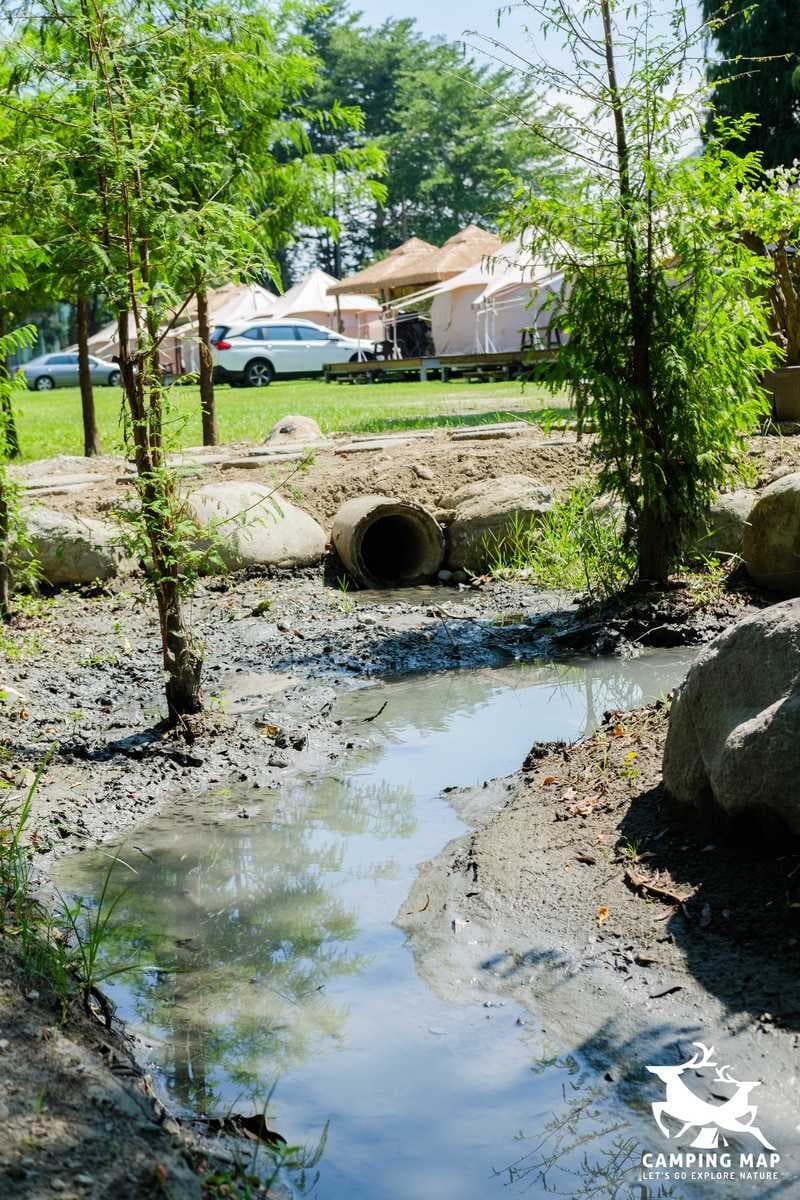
756	71
769	214
61	948
18	566
662	303
447	123
577	546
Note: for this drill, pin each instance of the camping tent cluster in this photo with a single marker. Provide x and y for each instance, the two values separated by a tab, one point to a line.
481	295
477	294
355	315
492	306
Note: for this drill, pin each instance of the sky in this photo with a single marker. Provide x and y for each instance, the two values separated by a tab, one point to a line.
448	17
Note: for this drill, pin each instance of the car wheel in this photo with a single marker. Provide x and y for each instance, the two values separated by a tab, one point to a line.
114	379
259	373
44	384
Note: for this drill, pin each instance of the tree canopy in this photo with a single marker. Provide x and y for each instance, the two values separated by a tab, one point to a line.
447	123
758	71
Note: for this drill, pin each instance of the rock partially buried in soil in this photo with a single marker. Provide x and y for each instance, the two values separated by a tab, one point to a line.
385	542
486	511
772	537
721	533
293	428
734	735
74	550
256	527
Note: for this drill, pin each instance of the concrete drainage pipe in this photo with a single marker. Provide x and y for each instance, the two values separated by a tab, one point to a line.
388	543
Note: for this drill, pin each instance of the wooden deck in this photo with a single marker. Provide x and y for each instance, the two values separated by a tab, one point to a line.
505	365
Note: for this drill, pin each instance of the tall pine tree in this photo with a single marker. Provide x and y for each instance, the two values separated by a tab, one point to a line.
757	70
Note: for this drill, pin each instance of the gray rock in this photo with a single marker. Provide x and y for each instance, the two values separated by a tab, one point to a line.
608	510
257	527
721	533
74	549
734	735
293	428
485	511
772	537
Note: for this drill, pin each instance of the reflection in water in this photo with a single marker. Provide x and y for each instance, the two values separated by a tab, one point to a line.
272	953
247	942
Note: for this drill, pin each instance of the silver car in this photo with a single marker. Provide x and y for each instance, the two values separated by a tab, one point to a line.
61	370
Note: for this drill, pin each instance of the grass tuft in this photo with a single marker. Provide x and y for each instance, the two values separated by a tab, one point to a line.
574	547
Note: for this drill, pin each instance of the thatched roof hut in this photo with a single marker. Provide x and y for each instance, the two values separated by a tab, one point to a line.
417	264
379	279
465	249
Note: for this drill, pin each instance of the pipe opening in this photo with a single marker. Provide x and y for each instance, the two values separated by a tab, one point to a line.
384	542
395	549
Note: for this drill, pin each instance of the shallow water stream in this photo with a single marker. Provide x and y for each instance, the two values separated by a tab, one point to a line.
265	921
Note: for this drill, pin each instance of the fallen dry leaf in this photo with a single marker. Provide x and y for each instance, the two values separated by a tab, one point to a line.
602	914
548	780
619	731
638	884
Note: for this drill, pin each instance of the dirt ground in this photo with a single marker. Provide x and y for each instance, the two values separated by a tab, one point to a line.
681	937
78	1118
423	466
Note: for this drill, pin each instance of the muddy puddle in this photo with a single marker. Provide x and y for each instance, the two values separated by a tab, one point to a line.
264	925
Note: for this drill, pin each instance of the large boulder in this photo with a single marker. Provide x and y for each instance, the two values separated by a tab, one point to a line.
255	527
293	429
482	513
73	550
734	734
772	537
721	533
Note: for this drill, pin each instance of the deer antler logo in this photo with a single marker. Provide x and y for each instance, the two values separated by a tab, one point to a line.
734	1115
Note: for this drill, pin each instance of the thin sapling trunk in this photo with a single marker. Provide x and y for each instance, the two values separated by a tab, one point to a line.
91	437
207	404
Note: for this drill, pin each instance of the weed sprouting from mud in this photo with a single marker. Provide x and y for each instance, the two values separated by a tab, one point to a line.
574	546
57	947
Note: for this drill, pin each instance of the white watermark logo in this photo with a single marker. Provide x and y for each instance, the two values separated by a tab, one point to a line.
707	1122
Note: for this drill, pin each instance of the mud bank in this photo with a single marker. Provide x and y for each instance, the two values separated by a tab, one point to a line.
84	685
628	932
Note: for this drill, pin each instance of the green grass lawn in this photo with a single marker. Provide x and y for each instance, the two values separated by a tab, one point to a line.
50	422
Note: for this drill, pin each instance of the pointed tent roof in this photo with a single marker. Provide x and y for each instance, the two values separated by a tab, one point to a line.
312	294
381	276
235	302
467	248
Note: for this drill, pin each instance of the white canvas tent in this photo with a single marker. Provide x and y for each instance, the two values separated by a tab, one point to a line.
486	308
354	314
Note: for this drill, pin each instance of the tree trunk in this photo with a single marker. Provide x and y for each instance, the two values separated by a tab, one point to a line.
654	542
655	538
5	575
207	405
91	438
183	661
10	435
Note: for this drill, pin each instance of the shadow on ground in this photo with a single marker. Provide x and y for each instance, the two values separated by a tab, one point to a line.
739	931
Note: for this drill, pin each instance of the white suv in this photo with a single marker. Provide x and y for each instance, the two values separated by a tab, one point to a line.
259	351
